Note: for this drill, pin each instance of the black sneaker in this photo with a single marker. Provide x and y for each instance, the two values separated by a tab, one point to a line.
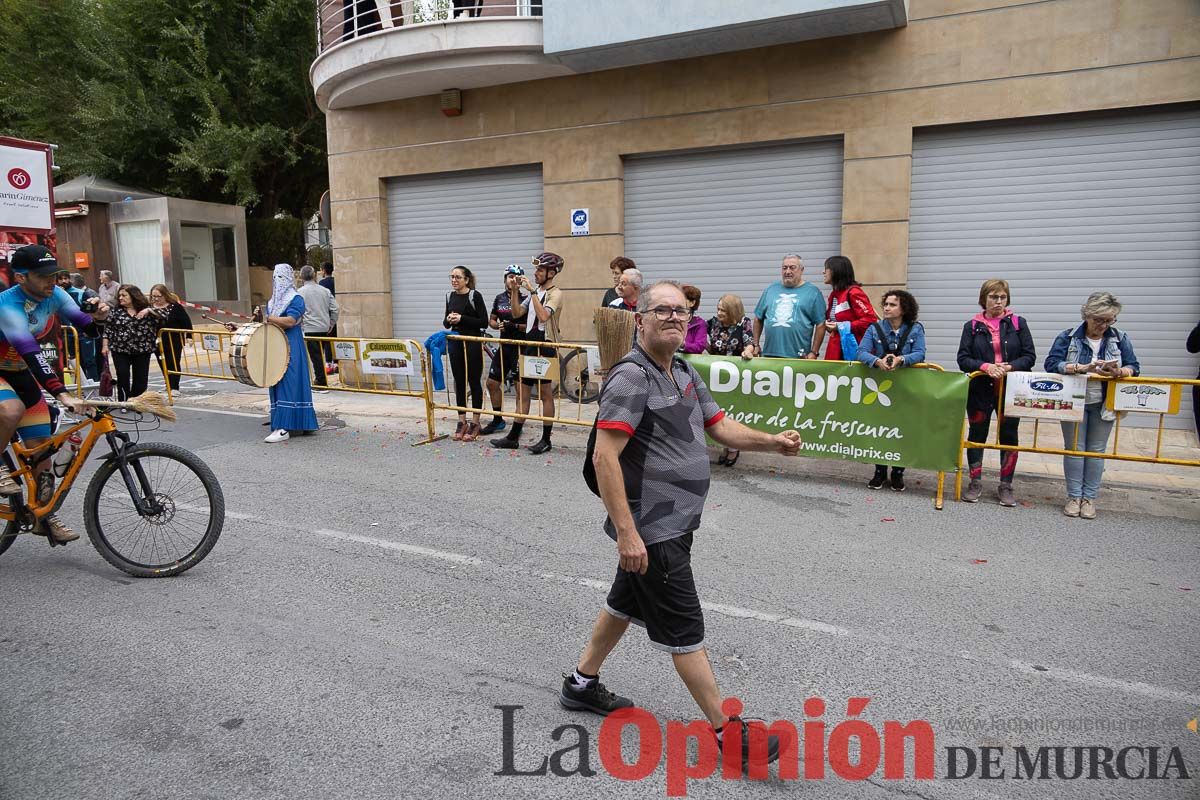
495	426
594	698
897	481
540	446
878	480
774	743
505	443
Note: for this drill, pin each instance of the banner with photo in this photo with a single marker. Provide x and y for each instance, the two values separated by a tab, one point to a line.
390	357
905	418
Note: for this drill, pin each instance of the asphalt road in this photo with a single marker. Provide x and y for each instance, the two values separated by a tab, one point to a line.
371	603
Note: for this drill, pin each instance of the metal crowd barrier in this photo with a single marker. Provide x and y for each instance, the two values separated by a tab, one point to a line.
72	364
205	354
1112	454
568	370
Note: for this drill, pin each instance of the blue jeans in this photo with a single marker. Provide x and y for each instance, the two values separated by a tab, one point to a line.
1083	474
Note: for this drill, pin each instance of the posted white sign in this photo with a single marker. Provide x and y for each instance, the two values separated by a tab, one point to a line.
344	351
25	201
1045	395
387	358
1145	397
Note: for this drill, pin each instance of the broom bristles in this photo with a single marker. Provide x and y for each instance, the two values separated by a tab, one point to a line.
614	334
147	403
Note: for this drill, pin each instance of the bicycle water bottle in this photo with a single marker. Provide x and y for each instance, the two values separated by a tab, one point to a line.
66	454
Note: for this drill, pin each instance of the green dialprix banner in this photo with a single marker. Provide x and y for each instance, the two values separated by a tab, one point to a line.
906	418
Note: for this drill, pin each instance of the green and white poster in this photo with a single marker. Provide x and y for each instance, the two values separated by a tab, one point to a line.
907	417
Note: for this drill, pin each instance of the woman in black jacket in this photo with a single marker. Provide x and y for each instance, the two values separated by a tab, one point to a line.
466	315
997	342
177	319
1193	346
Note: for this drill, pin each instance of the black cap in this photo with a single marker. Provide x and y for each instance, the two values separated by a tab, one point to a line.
36	259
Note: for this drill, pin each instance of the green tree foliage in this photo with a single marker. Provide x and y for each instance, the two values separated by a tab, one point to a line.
273	240
206	99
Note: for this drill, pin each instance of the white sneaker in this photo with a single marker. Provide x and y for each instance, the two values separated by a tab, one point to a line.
280	435
1087	509
1071	509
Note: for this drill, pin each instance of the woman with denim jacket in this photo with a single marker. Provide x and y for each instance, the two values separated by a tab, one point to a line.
994	342
898	340
1093	348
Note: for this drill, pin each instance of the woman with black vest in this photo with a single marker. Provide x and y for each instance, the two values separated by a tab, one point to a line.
995	342
466	315
896	341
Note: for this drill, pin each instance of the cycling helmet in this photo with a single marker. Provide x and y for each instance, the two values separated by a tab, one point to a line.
513	269
549	260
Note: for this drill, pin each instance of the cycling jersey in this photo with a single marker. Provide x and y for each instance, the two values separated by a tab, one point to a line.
23	320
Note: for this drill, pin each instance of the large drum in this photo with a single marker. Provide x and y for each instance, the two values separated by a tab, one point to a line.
258	354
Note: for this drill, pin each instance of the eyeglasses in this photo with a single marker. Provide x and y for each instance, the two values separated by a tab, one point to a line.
1103	320
664	313
997	297
454	277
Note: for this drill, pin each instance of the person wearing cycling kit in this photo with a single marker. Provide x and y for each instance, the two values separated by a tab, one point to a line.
27	311
540	315
507	358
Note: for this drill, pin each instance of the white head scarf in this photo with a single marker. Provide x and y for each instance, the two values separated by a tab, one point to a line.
283	289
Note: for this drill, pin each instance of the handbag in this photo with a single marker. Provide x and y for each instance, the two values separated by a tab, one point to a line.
106	379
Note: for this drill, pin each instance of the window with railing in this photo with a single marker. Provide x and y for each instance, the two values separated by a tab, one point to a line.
342	20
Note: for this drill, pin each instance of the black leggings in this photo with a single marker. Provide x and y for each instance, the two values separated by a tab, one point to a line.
474	371
978	423
173	347
133	373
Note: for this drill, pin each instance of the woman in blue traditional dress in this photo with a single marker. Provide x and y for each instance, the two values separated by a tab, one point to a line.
291	398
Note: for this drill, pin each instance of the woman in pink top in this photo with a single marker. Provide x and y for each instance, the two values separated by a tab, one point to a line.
995	342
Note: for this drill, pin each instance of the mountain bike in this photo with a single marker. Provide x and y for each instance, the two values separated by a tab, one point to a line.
151	510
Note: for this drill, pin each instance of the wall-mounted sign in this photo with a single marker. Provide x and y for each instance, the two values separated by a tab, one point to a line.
1144	397
83	261
580	222
1045	395
26	189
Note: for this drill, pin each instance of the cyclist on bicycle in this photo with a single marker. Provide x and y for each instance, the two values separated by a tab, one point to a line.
502	320
27	311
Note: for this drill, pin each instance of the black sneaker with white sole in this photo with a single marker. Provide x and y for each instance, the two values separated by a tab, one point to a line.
594	697
774	743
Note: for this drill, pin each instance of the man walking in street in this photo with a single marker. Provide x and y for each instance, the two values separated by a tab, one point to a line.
540	313
787	313
108	288
653	473
320	314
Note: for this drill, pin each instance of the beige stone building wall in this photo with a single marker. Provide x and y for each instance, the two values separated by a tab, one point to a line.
957	61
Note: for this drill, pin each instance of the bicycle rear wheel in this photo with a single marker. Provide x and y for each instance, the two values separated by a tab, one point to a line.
8	535
184	524
577	381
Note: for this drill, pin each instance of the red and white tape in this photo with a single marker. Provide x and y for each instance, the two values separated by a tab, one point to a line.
212	310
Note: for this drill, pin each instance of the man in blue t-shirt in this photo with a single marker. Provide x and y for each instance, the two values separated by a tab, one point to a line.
787	313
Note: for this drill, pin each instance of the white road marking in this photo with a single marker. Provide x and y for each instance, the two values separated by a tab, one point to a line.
815	626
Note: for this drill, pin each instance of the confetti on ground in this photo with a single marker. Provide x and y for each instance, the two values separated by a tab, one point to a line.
1024	504
888	519
979	561
1185	588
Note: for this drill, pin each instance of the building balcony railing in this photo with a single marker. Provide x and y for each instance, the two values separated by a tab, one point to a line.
340	21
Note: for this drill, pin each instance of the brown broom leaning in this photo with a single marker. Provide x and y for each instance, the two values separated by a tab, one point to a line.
148	403
614	335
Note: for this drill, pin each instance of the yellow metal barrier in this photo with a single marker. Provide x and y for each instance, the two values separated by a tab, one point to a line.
205	354
71	361
567	368
1055	451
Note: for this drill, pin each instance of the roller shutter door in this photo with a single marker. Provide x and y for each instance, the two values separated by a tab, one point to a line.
483	219
1061	208
722	220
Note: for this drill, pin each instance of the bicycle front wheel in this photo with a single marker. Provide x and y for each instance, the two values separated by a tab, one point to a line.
577	381
182	516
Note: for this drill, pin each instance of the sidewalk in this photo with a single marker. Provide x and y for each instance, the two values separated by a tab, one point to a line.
1173	490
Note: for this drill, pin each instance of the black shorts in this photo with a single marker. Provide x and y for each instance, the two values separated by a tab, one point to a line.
664	600
544	352
508	355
